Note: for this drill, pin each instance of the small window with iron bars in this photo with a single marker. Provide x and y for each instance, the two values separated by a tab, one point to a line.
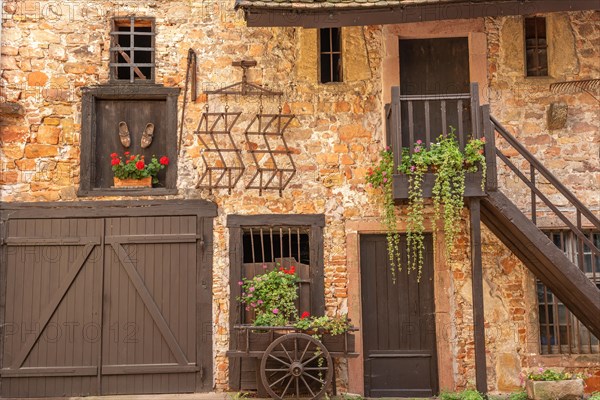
267	248
560	331
132	49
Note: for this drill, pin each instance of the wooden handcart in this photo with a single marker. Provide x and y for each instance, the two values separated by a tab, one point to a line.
293	364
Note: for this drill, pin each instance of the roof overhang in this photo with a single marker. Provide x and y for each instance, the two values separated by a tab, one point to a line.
323	14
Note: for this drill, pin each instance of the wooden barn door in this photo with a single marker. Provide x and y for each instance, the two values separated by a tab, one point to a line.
52	319
150	309
399	341
119	303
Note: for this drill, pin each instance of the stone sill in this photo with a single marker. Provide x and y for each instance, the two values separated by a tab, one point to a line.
472	185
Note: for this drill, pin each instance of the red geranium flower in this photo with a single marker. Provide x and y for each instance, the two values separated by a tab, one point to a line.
305	314
140	165
115	161
114	155
126	153
164	160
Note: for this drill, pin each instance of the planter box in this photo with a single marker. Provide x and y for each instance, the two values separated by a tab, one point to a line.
337	343
401	185
133	183
257	340
555	390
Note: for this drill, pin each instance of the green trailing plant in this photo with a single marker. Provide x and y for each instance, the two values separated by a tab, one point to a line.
595	396
475	158
381	177
238	395
449	186
415	226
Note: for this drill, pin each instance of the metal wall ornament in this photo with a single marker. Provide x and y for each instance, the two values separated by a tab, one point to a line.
273	164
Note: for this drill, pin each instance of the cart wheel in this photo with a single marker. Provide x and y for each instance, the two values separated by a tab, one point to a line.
296	365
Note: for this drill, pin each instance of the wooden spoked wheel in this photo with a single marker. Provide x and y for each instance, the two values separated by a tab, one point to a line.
296	365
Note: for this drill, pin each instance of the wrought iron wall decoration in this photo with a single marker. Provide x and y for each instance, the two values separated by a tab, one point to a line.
275	167
222	158
223	164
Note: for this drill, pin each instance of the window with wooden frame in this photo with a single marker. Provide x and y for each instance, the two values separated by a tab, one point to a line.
132	50
536	46
260	243
560	331
330	55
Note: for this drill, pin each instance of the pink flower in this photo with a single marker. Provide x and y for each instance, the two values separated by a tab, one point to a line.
370	185
417	149
247	308
387	148
240	283
264	266
383	173
259	302
384	180
275	311
252	304
251	289
412	167
419	141
482	140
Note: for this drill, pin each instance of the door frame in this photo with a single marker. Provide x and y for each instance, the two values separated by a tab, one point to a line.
202	209
442	283
473	29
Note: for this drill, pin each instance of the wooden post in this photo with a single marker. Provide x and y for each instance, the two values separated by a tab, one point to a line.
477	279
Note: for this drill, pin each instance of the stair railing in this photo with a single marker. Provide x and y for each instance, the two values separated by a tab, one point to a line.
537	169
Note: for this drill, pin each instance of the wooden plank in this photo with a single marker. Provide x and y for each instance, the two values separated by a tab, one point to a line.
151	306
92	209
234	221
48	371
335	16
136	369
317	273
204	338
57	241
490	149
477	290
153	239
50	309
235	313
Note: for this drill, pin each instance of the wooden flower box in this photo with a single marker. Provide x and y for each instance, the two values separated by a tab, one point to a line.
133	183
571	389
401	185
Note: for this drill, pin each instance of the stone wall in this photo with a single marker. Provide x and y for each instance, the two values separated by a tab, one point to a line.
49	54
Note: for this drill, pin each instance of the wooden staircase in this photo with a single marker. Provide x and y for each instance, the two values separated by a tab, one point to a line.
533	247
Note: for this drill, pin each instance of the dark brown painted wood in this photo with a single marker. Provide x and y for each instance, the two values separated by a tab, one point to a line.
103	107
477	290
401	185
433	67
543	258
243	372
275	220
399	340
490	149
140	317
323	17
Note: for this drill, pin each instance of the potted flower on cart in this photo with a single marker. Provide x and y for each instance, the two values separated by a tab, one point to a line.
292	361
132	170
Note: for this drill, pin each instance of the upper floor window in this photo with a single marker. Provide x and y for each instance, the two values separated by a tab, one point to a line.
330	54
132	50
536	46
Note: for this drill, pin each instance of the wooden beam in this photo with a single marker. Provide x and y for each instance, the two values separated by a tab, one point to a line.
477	279
335	16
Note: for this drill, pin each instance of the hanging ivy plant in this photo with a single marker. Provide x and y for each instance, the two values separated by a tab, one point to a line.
450	165
381	177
